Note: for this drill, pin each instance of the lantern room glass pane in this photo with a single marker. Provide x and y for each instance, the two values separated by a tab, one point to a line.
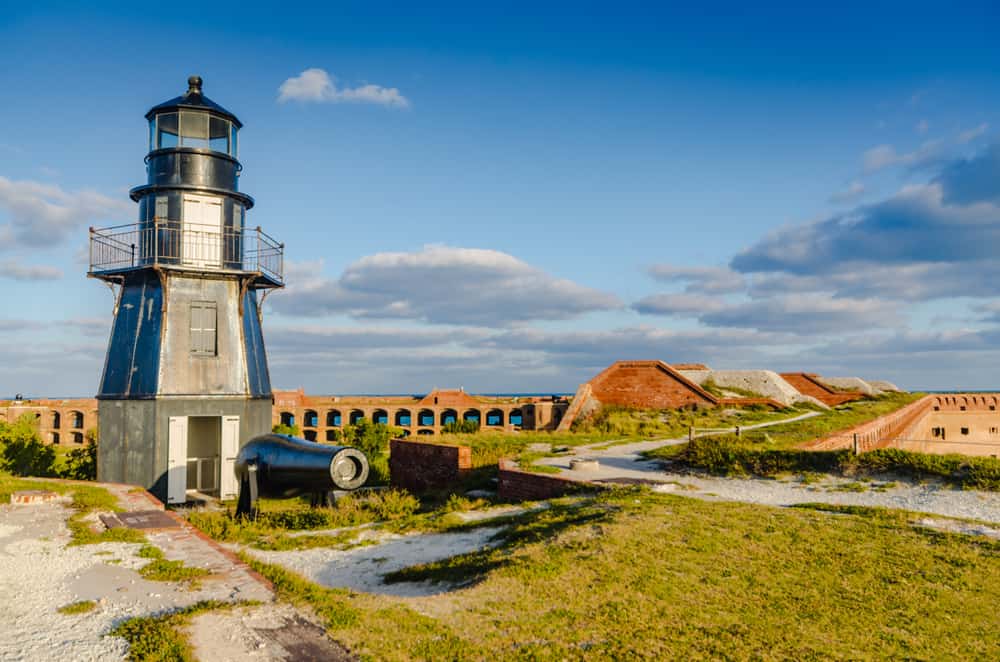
233	152
194	129
218	134
152	134
166	130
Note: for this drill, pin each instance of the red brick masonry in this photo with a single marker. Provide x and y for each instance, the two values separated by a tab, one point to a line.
517	485
419	466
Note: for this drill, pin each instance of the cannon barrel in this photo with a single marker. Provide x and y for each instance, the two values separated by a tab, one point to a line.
288	466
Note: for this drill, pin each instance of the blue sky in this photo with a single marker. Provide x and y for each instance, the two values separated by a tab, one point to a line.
509	198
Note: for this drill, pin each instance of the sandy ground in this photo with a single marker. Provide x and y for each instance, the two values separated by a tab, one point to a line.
362	568
39	574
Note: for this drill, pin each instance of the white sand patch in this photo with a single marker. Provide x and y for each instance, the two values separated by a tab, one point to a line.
39	573
966	528
362	568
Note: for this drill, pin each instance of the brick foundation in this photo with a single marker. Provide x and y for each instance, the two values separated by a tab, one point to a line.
418	466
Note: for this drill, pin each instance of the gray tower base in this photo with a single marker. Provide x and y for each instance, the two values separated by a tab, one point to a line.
135	436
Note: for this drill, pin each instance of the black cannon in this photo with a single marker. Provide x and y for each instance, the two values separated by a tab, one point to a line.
279	466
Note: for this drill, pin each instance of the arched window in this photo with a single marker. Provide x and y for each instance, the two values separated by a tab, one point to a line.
403	418
287	418
426	417
77	437
310	419
356	415
471	415
494	418
516	418
333	418
56	420
449	416
310	435
76	420
425	431
380	416
55	437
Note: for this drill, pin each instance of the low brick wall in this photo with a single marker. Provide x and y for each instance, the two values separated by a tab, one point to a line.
418	466
518	485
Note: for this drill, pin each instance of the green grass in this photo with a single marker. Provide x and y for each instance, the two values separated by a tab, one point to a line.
632	574
81	607
161	638
393	509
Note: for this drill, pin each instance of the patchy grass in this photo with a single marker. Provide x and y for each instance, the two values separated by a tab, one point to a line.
160	638
162	570
633	574
396	510
737	456
86	499
81	607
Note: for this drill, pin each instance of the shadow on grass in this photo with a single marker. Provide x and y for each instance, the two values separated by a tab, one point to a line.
524	529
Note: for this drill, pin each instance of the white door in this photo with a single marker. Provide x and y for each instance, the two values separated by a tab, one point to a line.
202	231
177	451
230	447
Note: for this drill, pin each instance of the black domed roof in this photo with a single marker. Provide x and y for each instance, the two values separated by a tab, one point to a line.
194	99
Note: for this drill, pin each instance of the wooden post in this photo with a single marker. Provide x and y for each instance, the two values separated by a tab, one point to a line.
857	448
690	433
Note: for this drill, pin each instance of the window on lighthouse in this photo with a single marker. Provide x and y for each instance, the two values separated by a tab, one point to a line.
204	320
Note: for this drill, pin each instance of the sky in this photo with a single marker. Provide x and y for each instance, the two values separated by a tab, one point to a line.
508	197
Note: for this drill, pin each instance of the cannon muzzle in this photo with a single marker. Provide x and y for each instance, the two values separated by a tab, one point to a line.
286	466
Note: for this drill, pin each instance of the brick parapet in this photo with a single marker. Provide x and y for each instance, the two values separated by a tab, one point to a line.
419	466
515	484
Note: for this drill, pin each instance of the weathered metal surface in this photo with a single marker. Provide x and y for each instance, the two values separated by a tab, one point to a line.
182	253
288	466
132	364
258	375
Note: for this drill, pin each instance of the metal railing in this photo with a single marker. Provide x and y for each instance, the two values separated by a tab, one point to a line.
165	242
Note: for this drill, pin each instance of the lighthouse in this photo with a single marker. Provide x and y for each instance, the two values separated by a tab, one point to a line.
185	381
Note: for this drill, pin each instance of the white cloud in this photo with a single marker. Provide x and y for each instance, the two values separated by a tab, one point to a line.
851	193
885	156
42	214
15	270
442	285
701	280
318	86
685	305
970	135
